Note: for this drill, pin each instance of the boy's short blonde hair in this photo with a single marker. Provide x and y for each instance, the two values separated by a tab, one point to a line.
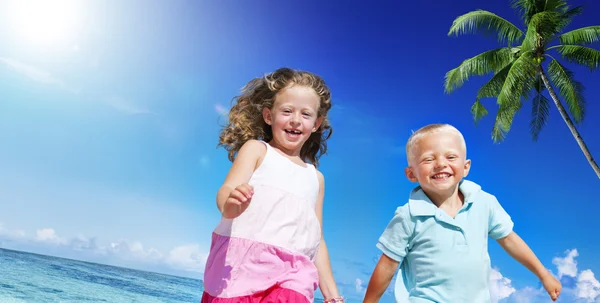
429	129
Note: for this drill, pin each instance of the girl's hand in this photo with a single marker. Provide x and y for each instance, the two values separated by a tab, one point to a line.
238	200
552	286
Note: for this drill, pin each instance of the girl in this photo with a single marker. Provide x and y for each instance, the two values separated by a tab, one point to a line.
269	246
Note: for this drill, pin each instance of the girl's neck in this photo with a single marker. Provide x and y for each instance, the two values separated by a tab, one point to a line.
289	153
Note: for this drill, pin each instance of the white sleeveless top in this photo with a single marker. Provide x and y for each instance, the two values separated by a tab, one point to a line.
282	210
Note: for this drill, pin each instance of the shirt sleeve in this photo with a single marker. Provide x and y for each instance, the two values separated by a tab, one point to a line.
500	223
394	240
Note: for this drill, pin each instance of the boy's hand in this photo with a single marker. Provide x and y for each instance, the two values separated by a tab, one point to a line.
237	201
552	286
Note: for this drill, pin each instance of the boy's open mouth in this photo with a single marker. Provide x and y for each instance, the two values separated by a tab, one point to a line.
441	176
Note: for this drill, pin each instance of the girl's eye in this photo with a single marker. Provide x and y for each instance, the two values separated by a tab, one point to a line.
306	114
287	111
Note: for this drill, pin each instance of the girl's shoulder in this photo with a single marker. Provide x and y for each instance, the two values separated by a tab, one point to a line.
253	150
254	146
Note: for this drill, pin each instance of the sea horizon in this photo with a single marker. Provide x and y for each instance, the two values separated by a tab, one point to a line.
39	278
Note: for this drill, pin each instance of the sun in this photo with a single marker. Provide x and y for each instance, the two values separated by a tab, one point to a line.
46	22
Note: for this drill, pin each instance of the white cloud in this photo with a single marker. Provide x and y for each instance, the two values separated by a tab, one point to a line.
584	289
48	235
359	285
11	234
81	243
187	257
133	250
500	287
588	287
567	266
529	295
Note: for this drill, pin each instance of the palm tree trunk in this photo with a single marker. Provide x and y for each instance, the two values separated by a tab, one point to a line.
569	122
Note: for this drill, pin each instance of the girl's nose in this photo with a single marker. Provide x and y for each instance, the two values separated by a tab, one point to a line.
295	119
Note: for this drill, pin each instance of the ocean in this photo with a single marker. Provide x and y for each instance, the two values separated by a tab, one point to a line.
32	278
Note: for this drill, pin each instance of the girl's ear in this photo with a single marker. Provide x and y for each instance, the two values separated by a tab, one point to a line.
317	124
267	116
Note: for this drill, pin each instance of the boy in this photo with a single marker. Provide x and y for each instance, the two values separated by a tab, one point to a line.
440	236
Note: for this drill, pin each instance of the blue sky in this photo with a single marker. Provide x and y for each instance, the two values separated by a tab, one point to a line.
109	120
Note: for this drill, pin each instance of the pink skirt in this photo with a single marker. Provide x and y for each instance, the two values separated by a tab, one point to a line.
272	295
243	270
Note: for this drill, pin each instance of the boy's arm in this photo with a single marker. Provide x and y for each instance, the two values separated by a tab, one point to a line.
381	278
394	245
326	280
520	251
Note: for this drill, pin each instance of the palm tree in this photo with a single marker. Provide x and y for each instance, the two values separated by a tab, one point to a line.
520	71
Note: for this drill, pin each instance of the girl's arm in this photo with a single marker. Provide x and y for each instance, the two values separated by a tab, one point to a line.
381	278
520	251
326	281
247	160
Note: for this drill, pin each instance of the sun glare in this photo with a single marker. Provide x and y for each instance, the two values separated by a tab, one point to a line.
46	22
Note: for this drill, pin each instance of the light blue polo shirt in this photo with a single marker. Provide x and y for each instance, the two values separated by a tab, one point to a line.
445	259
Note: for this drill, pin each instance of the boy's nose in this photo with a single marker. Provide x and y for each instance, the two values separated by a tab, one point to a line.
440	162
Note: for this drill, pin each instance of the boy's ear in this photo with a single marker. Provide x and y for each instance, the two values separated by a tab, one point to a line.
317	124
410	174
467	168
267	115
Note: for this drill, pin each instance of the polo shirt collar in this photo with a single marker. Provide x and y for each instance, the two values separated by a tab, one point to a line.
420	205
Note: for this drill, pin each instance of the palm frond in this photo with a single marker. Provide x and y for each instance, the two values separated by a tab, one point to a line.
584	35
540	110
504	119
520	80
570	89
554	5
528	8
493	87
478	111
479	65
486	22
567	16
581	55
541	29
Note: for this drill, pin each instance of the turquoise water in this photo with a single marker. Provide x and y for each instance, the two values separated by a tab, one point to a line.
32	278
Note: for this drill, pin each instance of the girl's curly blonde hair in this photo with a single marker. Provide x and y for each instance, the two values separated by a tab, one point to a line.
246	121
